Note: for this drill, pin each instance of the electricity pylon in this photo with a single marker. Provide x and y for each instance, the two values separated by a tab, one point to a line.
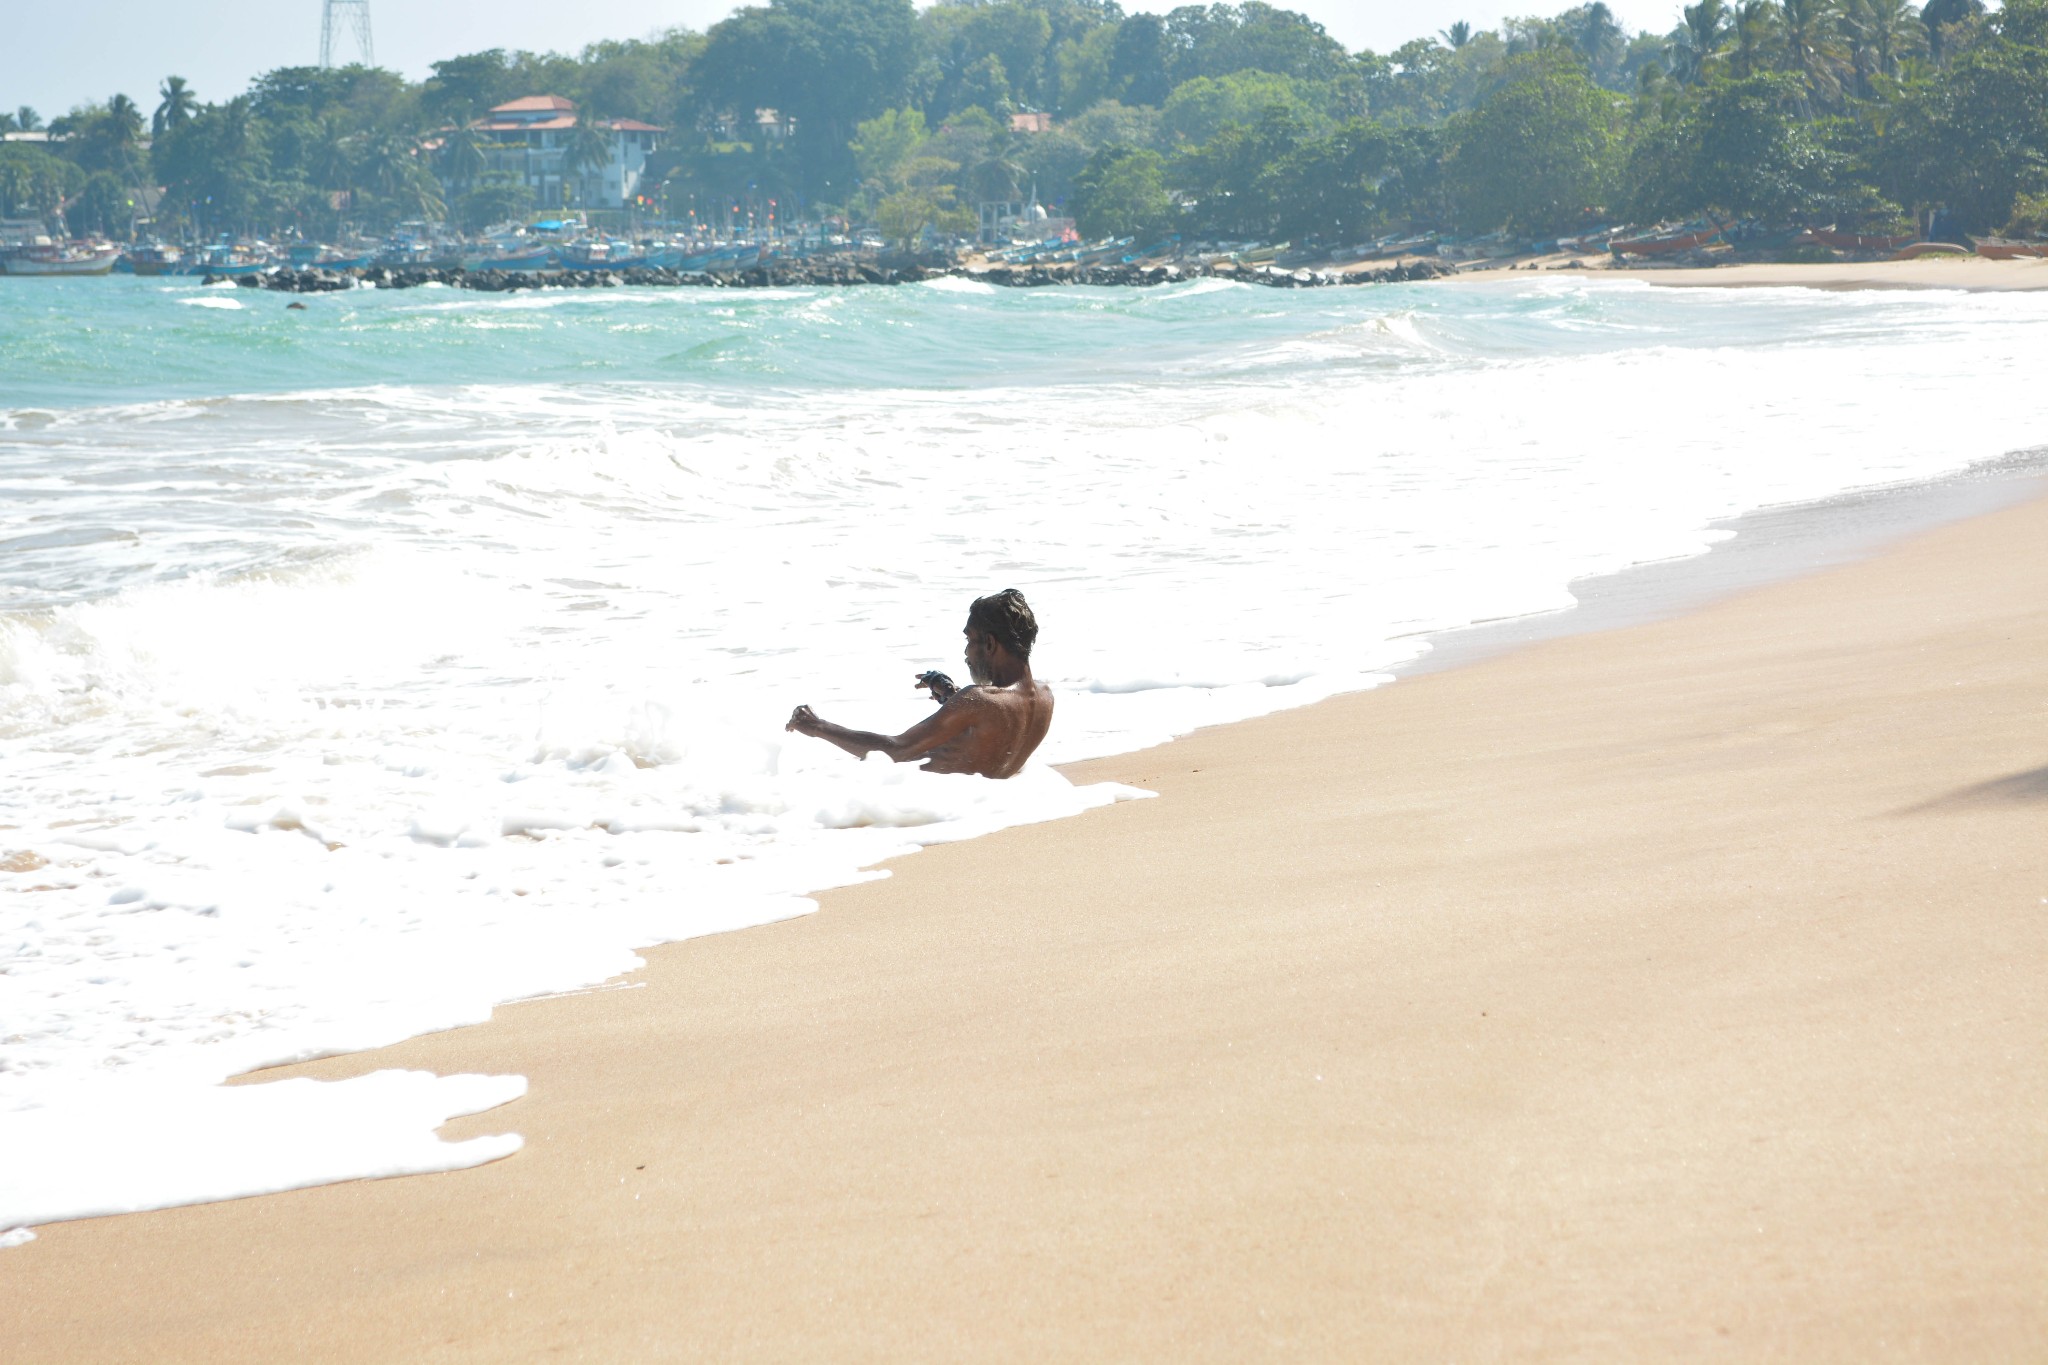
353	15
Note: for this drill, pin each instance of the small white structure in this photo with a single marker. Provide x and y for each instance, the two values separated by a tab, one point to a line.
534	138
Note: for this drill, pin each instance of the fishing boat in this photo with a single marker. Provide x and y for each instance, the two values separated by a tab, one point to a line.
1691	237
1857	241
1103	250
54	258
224	261
155	259
601	254
1916	250
737	256
511	258
2005	249
1168	247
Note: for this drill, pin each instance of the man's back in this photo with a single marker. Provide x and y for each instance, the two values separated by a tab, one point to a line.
1005	726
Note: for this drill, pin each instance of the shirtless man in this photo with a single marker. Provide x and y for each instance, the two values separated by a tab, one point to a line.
989	728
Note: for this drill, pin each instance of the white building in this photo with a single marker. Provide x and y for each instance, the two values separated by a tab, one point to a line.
533	139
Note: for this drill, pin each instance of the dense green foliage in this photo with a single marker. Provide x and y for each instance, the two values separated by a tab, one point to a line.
1242	121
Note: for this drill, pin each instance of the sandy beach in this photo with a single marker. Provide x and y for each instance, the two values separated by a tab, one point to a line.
1973	273
1671	992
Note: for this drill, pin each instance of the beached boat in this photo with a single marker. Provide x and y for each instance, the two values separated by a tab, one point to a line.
735	257
1916	250
1169	247
1857	241
1691	237
2005	249
54	258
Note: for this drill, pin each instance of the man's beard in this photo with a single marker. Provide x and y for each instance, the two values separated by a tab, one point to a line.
979	672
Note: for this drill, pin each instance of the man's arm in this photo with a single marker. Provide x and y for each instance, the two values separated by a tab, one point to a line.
944	724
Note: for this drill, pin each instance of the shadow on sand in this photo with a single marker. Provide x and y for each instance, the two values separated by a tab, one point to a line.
2017	789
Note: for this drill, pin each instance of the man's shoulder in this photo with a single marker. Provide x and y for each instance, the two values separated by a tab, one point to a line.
980	697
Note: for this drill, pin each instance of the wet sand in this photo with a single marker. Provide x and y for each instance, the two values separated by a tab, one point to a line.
1671	992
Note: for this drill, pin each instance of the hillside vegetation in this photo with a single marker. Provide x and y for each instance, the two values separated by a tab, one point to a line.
1224	121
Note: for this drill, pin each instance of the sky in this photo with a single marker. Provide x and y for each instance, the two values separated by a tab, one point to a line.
54	56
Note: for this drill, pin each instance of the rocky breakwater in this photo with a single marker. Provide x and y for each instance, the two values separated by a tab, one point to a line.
825	273
1143	276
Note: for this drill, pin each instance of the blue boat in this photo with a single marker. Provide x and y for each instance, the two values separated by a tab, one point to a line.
534	258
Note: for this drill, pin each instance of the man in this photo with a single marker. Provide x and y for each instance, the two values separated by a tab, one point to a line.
989	728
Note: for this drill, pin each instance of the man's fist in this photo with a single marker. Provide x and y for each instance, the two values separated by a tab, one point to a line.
938	684
803	720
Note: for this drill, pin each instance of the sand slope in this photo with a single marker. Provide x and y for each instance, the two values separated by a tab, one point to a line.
1672	993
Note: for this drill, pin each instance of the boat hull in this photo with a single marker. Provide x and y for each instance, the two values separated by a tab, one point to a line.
530	260
1666	246
94	263
1998	249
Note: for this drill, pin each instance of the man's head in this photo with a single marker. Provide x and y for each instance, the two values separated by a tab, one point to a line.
1001	621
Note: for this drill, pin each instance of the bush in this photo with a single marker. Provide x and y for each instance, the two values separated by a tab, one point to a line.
2029	217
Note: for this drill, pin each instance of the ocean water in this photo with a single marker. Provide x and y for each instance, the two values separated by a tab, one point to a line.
367	666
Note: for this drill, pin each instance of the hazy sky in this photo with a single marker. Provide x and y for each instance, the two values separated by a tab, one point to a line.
54	55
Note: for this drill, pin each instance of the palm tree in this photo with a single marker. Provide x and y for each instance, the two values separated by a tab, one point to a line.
125	117
1936	15
27	119
1598	38
464	155
1881	34
590	149
1755	31
995	179
178	107
390	164
1813	48
1698	40
1457	35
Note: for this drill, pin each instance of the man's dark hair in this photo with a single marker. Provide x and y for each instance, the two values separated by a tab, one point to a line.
1007	616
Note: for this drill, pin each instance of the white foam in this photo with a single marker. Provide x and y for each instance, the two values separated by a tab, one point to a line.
959	284
114	1147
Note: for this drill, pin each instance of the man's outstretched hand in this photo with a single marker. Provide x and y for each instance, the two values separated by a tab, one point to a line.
803	720
938	684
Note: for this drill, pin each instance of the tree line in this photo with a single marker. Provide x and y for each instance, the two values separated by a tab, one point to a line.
1239	121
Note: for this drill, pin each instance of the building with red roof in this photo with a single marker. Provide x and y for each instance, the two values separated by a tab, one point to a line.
543	141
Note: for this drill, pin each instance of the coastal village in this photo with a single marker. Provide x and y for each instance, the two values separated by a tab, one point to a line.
1243	140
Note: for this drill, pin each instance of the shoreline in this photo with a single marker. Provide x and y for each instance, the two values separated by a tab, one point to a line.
763	1049
1765	546
1970	274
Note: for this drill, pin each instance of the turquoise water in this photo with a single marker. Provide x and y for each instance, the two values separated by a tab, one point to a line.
363	666
68	343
